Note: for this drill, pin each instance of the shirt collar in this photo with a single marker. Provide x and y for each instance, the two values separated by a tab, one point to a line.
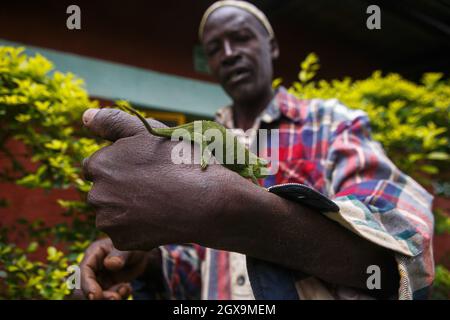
283	103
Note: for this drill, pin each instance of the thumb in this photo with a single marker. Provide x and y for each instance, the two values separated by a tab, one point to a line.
111	124
116	260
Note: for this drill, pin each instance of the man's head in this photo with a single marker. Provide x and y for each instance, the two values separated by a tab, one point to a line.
240	48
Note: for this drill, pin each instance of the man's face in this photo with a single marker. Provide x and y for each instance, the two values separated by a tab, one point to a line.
239	52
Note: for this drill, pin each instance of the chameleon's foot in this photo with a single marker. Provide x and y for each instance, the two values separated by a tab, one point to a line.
203	164
251	174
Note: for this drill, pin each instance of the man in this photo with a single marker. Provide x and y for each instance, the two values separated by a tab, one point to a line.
290	243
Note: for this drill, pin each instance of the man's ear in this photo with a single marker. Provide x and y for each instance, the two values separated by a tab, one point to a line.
274	49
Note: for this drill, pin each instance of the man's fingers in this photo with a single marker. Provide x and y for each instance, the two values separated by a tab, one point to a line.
125	290
118	292
116	260
91	288
111	124
88	115
111	295
88	268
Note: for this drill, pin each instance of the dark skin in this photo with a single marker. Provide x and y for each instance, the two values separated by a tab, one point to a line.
135	182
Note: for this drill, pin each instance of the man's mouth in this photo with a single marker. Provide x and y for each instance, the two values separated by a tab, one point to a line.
238	75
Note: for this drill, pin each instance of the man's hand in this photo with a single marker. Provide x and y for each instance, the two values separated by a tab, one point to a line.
106	271
141	198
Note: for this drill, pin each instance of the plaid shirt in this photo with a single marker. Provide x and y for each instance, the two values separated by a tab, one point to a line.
328	147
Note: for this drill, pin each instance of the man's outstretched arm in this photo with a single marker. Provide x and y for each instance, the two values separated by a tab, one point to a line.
266	226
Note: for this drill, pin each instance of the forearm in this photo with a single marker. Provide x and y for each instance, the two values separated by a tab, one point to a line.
263	225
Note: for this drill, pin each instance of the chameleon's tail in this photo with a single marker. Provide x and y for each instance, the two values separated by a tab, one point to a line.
160	132
143	120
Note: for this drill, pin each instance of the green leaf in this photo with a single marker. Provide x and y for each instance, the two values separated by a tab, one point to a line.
429	169
442	222
438	156
32	247
277	82
51	251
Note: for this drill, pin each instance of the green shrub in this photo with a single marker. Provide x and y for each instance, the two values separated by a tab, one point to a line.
441	283
43	111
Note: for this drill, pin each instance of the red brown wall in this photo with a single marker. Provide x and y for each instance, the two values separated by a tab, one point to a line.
160	35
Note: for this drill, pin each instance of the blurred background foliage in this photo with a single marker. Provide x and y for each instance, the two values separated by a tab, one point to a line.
42	109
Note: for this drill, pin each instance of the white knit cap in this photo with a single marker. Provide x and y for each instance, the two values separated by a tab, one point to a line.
238	4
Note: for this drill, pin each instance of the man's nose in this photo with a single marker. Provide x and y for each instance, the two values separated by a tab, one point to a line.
228	48
230	54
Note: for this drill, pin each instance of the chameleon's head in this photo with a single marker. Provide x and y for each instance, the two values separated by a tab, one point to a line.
263	163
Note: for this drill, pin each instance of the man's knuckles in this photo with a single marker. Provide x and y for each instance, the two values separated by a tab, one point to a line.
113	124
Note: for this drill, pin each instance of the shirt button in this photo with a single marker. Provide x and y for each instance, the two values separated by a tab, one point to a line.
240	280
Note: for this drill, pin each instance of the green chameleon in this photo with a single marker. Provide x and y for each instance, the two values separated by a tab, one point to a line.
249	169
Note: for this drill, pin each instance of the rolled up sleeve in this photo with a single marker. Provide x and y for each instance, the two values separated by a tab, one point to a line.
381	204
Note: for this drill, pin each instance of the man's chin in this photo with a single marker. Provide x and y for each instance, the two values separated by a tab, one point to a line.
242	92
